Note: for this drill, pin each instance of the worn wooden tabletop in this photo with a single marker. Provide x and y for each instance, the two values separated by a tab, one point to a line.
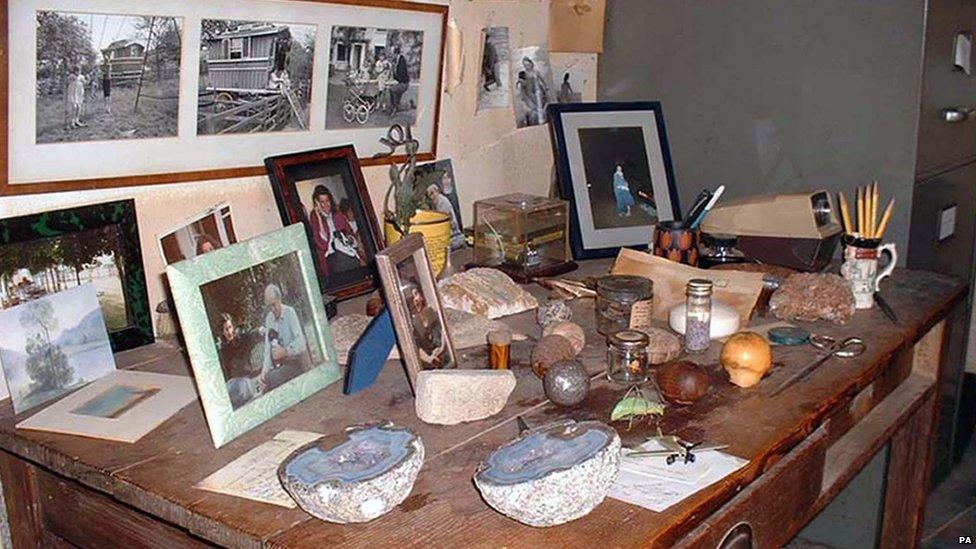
157	474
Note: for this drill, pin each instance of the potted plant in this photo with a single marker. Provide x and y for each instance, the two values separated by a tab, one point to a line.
409	213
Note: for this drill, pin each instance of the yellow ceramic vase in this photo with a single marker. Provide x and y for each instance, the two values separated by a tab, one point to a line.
436	230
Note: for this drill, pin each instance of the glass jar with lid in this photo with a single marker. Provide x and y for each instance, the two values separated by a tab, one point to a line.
698	315
627	357
616	296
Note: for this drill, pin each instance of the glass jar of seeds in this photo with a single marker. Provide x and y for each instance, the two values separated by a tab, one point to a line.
627	357
698	315
616	296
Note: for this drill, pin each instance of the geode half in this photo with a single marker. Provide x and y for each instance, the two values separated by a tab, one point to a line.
551	474
355	476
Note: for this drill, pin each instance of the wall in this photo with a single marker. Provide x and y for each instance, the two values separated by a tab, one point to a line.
490	156
766	96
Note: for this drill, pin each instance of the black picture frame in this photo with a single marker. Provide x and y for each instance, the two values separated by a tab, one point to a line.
288	170
37	228
564	180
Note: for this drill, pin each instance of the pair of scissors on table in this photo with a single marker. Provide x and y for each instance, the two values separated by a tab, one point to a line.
846	348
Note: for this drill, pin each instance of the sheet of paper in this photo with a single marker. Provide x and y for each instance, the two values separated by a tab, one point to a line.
254	475
649	482
576	25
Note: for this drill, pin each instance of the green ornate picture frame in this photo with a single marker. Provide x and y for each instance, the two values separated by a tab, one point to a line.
255	329
48	252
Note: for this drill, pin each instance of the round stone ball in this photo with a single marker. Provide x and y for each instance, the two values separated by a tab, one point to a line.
566	383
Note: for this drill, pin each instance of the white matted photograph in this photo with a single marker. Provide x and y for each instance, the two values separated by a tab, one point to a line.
204	232
494	90
532	85
53	345
374	77
103	77
255	76
123	406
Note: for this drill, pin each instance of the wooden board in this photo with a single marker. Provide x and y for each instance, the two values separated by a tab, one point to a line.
156	475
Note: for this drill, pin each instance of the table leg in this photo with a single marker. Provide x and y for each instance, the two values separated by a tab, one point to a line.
23	509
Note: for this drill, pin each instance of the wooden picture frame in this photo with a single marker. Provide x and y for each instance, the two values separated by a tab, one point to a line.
389	263
295	178
290	317
119	218
633	135
153	398
187	155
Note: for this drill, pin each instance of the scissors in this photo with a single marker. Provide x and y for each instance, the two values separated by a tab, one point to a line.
847	348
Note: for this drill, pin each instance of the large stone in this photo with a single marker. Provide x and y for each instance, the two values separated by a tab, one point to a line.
449	397
485	291
551	474
355	476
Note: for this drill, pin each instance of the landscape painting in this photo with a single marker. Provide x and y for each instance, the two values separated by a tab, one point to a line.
52	345
115	401
103	77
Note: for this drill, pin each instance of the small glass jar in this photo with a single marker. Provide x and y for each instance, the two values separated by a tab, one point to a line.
615	297
720	249
627	357
698	315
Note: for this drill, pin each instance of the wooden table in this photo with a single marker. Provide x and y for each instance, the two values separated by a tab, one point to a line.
804	445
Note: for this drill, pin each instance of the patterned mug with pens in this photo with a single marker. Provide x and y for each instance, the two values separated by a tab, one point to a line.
863	246
678	240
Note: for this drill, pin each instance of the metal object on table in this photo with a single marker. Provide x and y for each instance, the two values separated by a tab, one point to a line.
675	448
954	115
847	348
885	308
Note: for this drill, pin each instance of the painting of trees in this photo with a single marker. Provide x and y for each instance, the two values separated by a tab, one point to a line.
47	365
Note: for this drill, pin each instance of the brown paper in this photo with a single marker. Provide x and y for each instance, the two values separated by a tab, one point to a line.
737	289
576	25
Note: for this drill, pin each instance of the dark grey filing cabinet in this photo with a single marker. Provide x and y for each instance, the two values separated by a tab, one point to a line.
941	237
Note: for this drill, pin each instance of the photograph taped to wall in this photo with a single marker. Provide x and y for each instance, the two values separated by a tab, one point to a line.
207	231
187	155
494	89
374	77
613	164
255	76
532	85
52	345
440	191
570	79
96	244
102	77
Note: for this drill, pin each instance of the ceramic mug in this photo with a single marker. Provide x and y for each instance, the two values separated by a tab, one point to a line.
860	268
672	240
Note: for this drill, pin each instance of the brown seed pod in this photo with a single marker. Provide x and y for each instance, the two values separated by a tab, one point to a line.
571	331
682	382
550	350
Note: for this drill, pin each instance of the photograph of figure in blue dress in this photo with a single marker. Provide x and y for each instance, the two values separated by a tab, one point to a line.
618	177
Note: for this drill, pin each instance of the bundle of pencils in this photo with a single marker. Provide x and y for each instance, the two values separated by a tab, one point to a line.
868	226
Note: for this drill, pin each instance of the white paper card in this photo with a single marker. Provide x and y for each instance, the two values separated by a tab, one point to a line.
653	484
254	475
947	222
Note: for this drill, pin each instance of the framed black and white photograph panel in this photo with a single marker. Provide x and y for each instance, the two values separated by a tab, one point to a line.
113	93
614	167
325	190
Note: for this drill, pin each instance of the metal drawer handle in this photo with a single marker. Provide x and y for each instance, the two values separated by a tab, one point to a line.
954	115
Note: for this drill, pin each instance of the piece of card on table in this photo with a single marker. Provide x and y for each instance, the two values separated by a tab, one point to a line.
254	475
494	85
531	85
123	406
648	481
204	232
53	345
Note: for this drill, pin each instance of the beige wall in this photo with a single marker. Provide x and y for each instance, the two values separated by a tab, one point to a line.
490	156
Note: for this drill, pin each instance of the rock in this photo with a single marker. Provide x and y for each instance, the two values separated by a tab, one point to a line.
809	297
485	291
550	350
571	331
551	474
566	383
556	310
449	397
355	476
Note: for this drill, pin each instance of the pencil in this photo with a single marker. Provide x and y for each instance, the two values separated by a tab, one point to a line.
885	218
875	198
860	211
845	215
